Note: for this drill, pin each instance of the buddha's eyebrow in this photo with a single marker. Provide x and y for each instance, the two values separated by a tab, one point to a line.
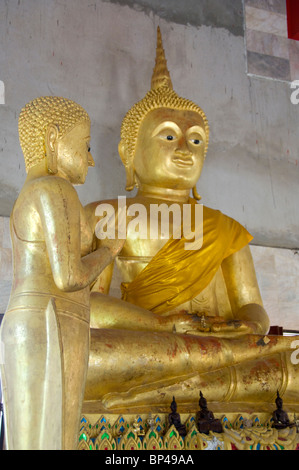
197	129
164	125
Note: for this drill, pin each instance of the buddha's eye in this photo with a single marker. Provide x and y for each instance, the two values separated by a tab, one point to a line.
196	141
166	134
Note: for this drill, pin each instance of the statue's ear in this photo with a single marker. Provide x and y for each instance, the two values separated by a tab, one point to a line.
51	148
129	166
123	152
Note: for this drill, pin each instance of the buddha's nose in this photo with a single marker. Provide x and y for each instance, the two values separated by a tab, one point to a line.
183	146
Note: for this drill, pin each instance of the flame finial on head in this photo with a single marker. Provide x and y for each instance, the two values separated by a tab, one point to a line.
160	96
161	75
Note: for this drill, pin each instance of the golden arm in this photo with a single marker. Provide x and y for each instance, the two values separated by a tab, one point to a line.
59	210
243	290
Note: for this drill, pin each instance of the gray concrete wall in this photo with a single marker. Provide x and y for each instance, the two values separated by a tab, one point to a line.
101	54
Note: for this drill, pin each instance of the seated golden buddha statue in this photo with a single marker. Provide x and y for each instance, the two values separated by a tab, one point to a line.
45	330
189	319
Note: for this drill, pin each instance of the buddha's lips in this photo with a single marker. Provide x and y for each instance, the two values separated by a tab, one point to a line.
181	161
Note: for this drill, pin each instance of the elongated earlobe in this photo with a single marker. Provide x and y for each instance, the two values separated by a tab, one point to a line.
51	148
196	196
129	167
130	178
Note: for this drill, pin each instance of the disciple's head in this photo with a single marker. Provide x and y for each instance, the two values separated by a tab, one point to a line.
56	131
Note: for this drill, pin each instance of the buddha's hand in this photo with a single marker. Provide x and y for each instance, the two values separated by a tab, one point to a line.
218	326
231	328
202	325
190	323
250	319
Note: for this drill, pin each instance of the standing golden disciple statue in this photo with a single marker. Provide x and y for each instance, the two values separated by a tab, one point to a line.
45	331
188	320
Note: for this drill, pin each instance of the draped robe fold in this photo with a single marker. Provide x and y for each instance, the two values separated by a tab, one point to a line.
176	274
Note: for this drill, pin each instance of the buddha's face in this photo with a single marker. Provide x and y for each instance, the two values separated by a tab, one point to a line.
73	154
170	149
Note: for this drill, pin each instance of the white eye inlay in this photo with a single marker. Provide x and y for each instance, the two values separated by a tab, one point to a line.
196	141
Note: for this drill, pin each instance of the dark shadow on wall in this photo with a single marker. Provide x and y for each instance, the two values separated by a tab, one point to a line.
227	14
